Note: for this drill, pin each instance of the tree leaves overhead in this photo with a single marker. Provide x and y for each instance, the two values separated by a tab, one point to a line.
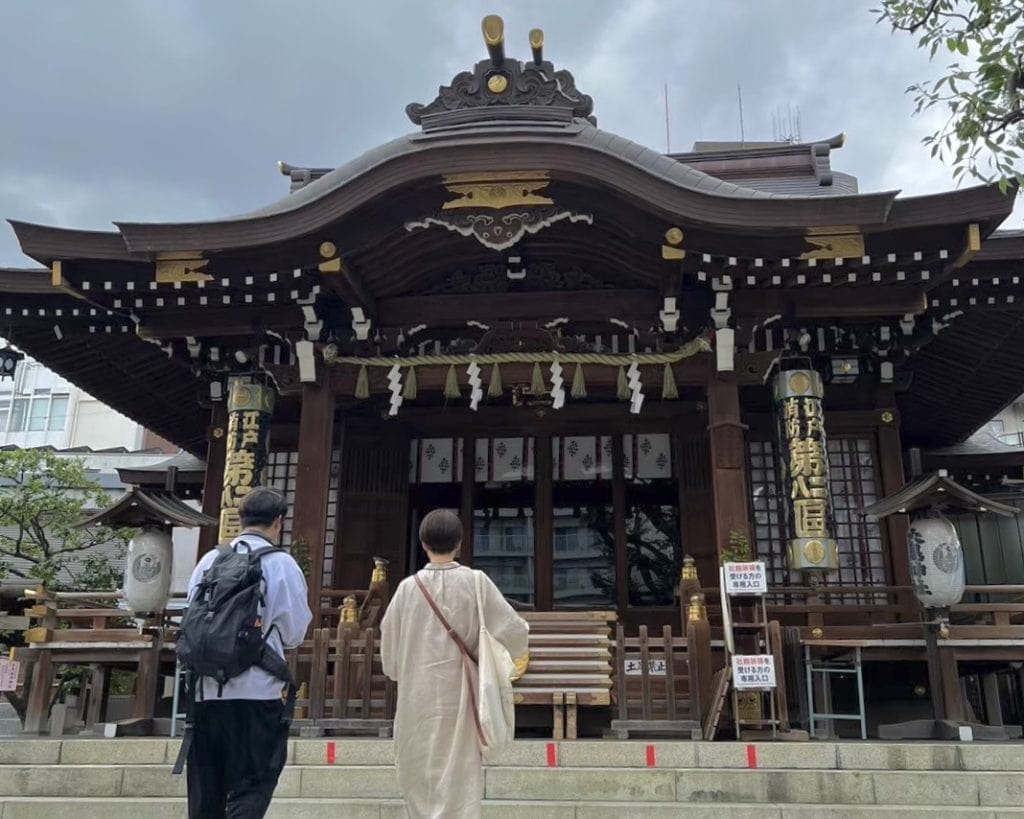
42	496
983	94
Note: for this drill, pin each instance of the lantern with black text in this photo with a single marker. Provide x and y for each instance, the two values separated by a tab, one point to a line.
936	560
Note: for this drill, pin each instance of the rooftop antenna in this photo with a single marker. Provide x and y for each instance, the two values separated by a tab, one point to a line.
786	125
668	132
739	95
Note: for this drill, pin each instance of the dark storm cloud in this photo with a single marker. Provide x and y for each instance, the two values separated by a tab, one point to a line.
148	110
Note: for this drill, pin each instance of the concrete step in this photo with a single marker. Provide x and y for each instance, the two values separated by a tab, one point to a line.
941	789
852	756
10	725
286	808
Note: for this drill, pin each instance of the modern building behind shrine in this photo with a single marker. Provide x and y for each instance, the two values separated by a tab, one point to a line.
603	356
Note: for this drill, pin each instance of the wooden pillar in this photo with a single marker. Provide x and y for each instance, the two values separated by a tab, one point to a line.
312	482
213	481
468	498
993	707
952	692
726	436
890	470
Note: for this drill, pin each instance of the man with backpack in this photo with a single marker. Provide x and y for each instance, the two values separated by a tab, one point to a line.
248	603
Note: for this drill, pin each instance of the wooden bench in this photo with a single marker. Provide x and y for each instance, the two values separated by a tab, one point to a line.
570	665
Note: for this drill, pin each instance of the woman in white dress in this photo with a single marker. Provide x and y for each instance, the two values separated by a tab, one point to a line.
436	745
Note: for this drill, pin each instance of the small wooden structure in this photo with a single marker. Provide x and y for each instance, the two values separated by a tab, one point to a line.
88	629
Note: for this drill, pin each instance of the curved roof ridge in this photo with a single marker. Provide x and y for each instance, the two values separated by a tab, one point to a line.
586	135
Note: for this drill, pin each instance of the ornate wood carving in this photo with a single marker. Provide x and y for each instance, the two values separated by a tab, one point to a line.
846	242
501	190
490	88
499	231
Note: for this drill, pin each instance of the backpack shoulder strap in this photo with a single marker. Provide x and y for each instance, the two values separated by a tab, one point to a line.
266	550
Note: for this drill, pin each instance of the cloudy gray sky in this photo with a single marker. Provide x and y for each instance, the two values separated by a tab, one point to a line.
151	110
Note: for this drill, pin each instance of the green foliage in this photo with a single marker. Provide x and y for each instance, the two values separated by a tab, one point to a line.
300	551
737	550
41	497
983	94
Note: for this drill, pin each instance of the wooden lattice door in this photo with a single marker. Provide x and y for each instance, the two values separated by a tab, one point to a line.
373	499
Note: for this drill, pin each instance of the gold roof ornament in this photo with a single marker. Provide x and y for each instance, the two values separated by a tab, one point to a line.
501	88
537	44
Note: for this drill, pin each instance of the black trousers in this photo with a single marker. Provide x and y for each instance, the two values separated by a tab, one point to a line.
238	751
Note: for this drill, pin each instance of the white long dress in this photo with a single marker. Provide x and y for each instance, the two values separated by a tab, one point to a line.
436	747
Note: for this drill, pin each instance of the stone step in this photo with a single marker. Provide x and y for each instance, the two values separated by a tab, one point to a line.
696	785
852	756
286	808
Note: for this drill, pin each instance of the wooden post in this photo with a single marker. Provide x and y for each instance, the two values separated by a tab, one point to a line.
37	707
952	694
312	482
699	658
213	481
890	463
468	499
993	707
726	436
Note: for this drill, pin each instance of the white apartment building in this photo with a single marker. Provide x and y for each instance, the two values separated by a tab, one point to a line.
39	408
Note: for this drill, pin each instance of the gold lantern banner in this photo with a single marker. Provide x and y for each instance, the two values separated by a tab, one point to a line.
803	459
250	406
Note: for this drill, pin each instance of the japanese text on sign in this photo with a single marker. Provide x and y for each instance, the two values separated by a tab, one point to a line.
804	442
249	407
9	675
753	672
634	667
746	578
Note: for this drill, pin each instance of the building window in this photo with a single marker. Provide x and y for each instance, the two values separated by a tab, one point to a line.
38	411
58	416
19	415
42	412
854	486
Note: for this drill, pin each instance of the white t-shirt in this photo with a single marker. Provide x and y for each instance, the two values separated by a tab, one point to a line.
286	606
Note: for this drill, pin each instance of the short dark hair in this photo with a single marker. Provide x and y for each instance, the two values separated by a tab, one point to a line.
262	506
441	531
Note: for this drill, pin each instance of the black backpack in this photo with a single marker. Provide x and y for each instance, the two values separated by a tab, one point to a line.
221	633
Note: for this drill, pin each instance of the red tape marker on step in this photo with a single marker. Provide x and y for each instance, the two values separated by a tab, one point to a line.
552	755
330	753
651	761
751	756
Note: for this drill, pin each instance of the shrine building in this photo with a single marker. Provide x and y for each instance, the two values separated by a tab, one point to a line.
605	358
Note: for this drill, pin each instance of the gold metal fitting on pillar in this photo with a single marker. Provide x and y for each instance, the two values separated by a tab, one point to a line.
349	610
697	611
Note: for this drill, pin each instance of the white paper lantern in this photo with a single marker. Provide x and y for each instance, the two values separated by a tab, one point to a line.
147	573
936	561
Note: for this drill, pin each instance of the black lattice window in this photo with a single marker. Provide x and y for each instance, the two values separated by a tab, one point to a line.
766	507
854	485
281	472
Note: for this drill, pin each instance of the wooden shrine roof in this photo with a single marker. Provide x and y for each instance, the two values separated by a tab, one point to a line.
144	317
936	490
138	507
